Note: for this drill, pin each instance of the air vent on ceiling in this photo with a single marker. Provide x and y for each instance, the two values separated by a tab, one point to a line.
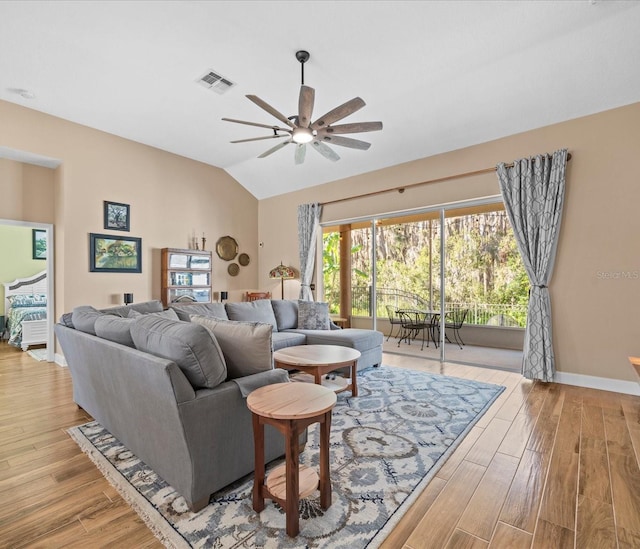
213	81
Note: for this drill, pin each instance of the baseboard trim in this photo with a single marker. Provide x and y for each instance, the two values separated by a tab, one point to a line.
60	360
602	383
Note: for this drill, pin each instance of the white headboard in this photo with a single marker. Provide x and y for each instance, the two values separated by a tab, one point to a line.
36	284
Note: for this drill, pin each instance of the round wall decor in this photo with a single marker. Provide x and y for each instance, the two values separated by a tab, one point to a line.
244	260
227	248
233	269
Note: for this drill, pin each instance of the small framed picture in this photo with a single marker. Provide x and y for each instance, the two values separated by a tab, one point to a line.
116	216
113	254
39	241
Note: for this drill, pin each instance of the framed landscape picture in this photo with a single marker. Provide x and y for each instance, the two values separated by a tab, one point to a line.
39	243
113	254
116	216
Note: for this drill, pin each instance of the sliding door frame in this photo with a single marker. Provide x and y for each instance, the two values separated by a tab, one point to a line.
373	219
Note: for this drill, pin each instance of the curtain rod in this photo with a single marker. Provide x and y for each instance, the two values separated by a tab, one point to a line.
436	180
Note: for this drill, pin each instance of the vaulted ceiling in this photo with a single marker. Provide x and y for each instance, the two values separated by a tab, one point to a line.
439	75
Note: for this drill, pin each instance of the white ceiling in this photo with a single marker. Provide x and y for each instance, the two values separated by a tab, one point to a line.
439	75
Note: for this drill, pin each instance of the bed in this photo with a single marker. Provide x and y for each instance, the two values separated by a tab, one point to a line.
25	305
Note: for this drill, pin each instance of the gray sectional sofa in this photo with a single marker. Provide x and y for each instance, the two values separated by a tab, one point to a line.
171	385
283	315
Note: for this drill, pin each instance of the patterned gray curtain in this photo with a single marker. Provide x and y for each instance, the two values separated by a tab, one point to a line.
308	226
533	193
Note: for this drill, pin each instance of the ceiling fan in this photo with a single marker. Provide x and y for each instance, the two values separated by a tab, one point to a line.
301	130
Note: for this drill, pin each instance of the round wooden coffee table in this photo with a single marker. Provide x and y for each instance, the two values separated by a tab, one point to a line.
291	408
319	360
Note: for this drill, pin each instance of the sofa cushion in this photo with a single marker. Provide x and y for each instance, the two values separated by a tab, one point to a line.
287	339
144	307
169	314
252	311
214	310
115	328
247	346
191	346
361	340
67	320
286	313
84	318
313	315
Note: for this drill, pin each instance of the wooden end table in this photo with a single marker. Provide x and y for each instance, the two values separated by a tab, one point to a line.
291	408
319	360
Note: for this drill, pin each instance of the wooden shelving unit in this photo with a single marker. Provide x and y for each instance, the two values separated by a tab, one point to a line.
186	276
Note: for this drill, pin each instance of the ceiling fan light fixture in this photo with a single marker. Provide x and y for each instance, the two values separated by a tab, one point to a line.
302	130
302	135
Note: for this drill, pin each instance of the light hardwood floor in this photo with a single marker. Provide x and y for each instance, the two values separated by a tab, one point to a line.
548	466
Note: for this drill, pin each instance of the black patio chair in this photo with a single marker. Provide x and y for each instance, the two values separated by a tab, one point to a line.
394	320
413	322
453	321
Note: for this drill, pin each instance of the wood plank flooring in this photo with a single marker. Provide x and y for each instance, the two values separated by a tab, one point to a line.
547	466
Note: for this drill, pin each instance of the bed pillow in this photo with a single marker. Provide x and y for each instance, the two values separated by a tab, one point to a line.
115	328
313	315
191	346
21	300
247	346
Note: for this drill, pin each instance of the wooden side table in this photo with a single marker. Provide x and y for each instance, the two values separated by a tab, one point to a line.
291	408
319	360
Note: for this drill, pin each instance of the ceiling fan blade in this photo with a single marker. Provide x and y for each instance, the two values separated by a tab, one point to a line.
357	127
274	149
346	142
258	138
338	113
325	151
271	110
305	106
256	124
301	152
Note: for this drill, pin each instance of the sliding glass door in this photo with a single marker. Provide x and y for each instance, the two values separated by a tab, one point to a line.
456	267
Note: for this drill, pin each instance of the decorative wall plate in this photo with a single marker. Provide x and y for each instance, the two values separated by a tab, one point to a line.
244	260
227	248
233	269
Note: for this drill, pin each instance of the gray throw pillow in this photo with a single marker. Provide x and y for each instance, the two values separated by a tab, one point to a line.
191	346
214	310
169	314
144	307
84	318
253	311
115	328
247	346
66	320
286	313
313	315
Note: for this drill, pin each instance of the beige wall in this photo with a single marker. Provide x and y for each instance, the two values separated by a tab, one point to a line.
170	197
595	303
27	192
595	309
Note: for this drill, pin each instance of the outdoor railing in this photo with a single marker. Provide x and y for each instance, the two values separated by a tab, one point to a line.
495	314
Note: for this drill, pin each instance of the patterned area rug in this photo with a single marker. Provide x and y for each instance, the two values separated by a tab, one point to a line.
386	444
